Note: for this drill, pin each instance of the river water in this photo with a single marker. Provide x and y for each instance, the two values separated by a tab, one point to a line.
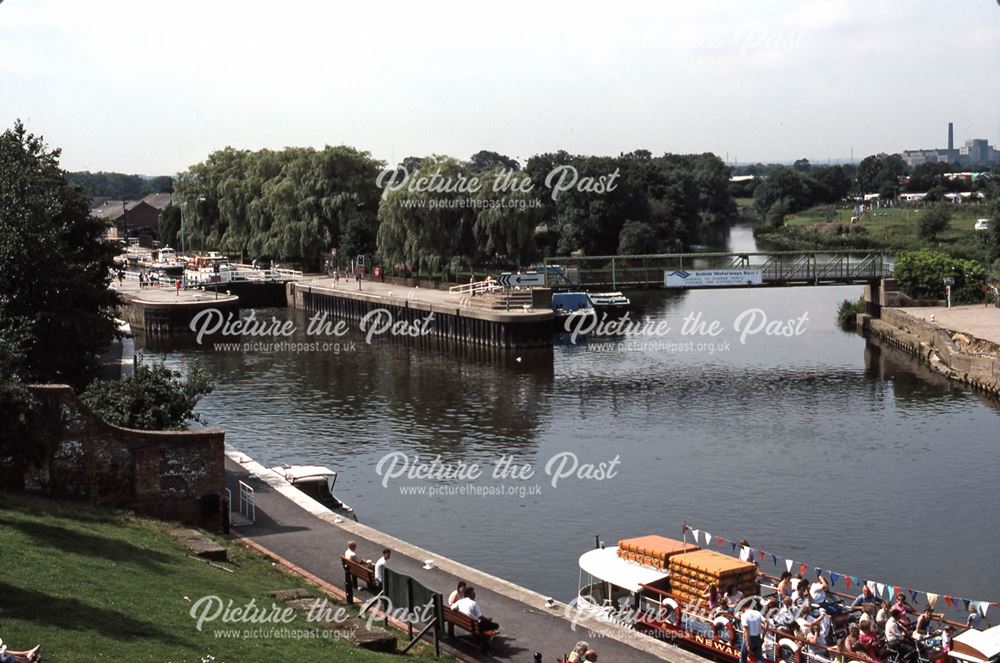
820	447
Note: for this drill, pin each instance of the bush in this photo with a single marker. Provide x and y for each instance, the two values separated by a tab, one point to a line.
921	274
933	221
152	398
848	311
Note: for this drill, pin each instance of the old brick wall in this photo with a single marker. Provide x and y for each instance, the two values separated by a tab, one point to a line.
174	475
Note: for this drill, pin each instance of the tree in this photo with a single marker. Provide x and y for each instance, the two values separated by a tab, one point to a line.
783	185
636	238
55	305
152	398
802	166
170	225
933	220
878	170
835	180
486	160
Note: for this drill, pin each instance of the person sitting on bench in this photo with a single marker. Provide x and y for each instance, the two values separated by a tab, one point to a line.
457	593
11	656
468	607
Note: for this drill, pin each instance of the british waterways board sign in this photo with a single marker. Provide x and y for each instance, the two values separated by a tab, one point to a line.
712	278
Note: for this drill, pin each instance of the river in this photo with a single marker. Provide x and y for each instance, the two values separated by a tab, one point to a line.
819	447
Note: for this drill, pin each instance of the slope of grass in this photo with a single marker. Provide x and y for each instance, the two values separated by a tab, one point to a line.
891	228
92	585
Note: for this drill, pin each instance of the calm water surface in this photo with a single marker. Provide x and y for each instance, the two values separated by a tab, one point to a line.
819	447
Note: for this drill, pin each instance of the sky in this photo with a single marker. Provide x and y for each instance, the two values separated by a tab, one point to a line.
152	88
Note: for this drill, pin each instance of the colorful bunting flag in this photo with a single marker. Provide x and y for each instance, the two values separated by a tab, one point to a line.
720	541
834	577
948	600
819	572
697	534
891	590
774	558
881	589
803	569
708	539
761	553
913	595
983	607
848	580
788	565
733	543
966	602
931	599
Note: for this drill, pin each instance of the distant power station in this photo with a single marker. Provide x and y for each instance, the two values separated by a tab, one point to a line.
975	151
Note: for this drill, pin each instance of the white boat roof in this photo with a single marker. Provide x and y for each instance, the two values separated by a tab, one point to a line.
984	645
605	564
299	472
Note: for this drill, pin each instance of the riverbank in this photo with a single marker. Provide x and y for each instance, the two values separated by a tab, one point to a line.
962	343
91	584
304	533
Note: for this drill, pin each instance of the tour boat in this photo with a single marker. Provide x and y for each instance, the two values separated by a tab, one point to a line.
212	267
657	586
317	482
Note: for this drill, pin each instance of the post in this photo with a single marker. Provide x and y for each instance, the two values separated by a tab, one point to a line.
349	585
613	279
438	612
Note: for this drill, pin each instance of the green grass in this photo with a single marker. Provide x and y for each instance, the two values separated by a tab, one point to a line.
891	228
92	585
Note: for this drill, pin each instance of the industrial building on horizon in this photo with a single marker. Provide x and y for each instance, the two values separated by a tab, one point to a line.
975	151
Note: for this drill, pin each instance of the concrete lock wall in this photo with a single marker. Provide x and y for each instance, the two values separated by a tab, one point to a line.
941	350
173	475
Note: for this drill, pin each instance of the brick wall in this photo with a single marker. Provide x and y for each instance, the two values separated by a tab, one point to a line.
173	475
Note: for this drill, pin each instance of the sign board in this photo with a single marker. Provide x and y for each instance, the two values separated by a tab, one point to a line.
712	278
527	280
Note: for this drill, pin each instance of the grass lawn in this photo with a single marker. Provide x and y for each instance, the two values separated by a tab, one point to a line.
896	228
92	585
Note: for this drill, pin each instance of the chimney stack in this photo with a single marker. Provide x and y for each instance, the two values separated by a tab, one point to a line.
951	137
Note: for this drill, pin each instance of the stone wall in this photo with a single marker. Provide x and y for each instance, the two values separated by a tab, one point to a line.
172	475
955	355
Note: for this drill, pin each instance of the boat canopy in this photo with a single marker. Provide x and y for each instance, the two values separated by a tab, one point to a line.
977	646
606	565
295	473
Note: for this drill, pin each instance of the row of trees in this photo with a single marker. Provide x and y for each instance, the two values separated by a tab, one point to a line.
297	203
119	185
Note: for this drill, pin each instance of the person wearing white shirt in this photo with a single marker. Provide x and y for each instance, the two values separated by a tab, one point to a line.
380	567
467	606
752	622
352	551
895	636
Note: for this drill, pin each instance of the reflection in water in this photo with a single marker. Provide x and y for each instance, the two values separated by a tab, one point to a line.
822	447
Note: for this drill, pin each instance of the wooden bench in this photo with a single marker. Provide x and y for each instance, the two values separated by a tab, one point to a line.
354	571
455	618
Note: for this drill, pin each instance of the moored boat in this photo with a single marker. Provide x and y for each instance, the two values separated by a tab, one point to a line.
610	303
569	307
317	482
212	267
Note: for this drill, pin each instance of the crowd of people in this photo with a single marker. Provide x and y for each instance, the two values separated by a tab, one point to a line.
865	628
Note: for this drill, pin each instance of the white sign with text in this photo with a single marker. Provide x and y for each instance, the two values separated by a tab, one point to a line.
712	278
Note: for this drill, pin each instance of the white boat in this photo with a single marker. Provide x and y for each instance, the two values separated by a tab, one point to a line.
210	268
609	302
317	482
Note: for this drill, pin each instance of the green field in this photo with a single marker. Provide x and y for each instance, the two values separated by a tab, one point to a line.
891	228
91	585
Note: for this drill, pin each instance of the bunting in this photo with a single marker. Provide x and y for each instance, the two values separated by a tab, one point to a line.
748	554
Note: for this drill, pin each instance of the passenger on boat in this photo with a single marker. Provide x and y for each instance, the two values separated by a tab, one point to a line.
733	597
468	607
713	597
867	616
946	635
722	608
904	608
457	593
801	596
974	619
852	641
870	643
785	585
752	622
924	621
883	615
785	616
816	640
866	597
896	637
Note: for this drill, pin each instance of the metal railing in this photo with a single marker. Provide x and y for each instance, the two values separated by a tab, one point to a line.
475	288
248	505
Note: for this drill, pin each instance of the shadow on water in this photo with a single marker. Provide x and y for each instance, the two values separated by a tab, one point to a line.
78	543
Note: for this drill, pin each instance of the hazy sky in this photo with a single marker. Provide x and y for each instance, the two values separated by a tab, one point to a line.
150	87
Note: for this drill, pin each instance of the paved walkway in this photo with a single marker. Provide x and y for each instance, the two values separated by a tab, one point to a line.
977	320
526	626
166	293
